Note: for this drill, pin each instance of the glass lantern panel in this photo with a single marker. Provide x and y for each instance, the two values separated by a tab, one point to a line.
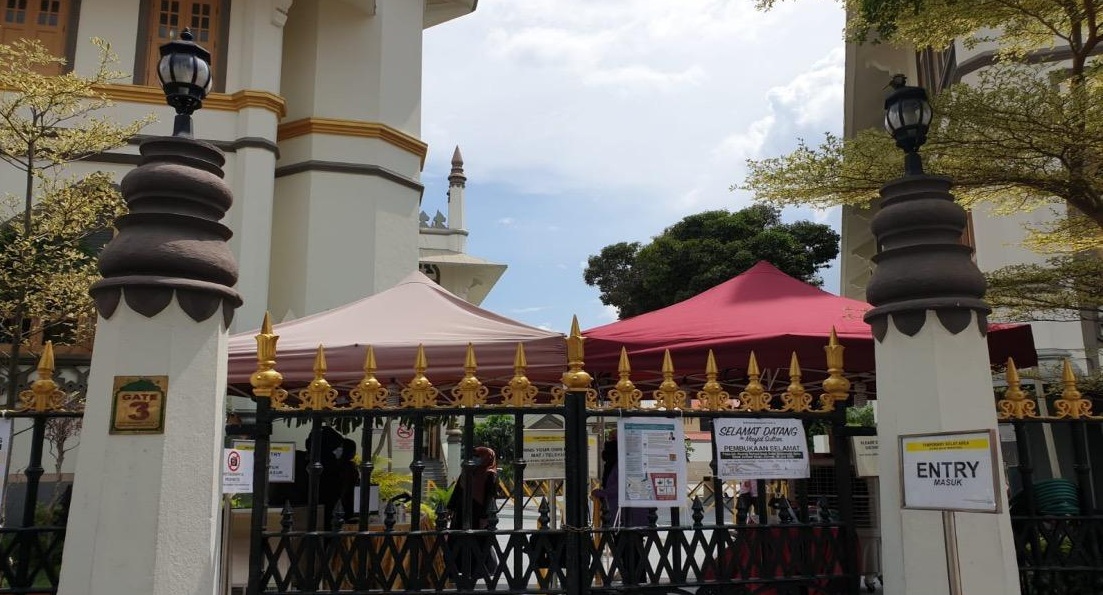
164	70
183	68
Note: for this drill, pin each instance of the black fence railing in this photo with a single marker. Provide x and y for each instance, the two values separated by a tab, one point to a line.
32	538
1055	512
516	545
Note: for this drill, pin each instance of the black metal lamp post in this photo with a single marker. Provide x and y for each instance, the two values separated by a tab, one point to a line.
185	73
907	118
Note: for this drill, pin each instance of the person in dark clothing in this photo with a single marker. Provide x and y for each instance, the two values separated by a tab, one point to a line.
628	544
472	554
349	476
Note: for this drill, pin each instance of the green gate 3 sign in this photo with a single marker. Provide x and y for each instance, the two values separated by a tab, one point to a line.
138	405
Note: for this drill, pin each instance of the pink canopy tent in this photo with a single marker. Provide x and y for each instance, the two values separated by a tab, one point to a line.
394	322
766	311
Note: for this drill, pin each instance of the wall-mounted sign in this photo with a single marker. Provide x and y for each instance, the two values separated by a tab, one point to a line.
237	471
281	459
138	405
865	450
761	448
952	471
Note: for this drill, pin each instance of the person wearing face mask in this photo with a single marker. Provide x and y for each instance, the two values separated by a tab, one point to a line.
478	484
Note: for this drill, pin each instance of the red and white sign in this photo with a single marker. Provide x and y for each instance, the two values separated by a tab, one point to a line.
237	471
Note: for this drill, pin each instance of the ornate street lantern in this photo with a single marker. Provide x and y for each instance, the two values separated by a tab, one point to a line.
185	73
907	118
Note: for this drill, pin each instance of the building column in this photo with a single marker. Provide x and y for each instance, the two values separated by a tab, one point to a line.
145	513
933	375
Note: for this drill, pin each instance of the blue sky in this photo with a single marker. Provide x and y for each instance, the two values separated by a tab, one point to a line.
589	122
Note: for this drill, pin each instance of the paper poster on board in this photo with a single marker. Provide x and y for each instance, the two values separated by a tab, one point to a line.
545	453
866	453
760	448
651	456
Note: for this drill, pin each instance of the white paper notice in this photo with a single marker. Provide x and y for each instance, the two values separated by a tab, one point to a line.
652	460
761	448
237	471
949	471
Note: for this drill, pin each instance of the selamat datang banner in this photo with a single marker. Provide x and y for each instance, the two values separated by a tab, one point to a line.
760	448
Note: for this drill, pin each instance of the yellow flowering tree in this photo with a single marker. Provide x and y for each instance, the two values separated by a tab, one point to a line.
1027	134
48	227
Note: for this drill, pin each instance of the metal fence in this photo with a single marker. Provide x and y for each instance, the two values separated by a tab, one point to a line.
1057	521
31	539
513	548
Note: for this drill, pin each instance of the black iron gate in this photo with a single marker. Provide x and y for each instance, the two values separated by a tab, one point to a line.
32	535
1055	512
809	549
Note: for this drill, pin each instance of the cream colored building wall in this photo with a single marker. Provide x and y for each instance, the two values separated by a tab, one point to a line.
319	122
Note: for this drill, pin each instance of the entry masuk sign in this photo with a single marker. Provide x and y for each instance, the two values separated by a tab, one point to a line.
952	471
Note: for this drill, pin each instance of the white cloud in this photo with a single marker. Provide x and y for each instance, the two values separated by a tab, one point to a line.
601	121
610	313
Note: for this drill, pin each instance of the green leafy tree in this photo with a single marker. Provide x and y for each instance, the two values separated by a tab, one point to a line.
47	247
704	250
1024	135
496	432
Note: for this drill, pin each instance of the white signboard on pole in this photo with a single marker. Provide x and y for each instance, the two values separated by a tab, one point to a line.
281	459
952	471
237	471
865	449
545	454
761	448
651	455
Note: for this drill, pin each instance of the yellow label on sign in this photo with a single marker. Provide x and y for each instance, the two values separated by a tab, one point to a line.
931	445
138	405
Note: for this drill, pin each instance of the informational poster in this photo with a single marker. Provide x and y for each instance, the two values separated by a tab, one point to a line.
545	453
237	471
949	471
651	456
281	459
5	453
865	450
760	448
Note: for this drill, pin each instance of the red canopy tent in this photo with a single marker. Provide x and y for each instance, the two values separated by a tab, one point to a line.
766	311
394	322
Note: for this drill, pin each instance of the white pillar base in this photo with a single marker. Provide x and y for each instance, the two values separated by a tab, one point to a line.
932	382
145	514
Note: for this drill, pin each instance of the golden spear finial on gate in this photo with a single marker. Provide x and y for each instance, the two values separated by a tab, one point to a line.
836	388
369	392
44	394
470	392
576	378
712	395
519	392
754	396
795	398
1015	404
266	380
420	393
1071	404
624	395
318	395
669	396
